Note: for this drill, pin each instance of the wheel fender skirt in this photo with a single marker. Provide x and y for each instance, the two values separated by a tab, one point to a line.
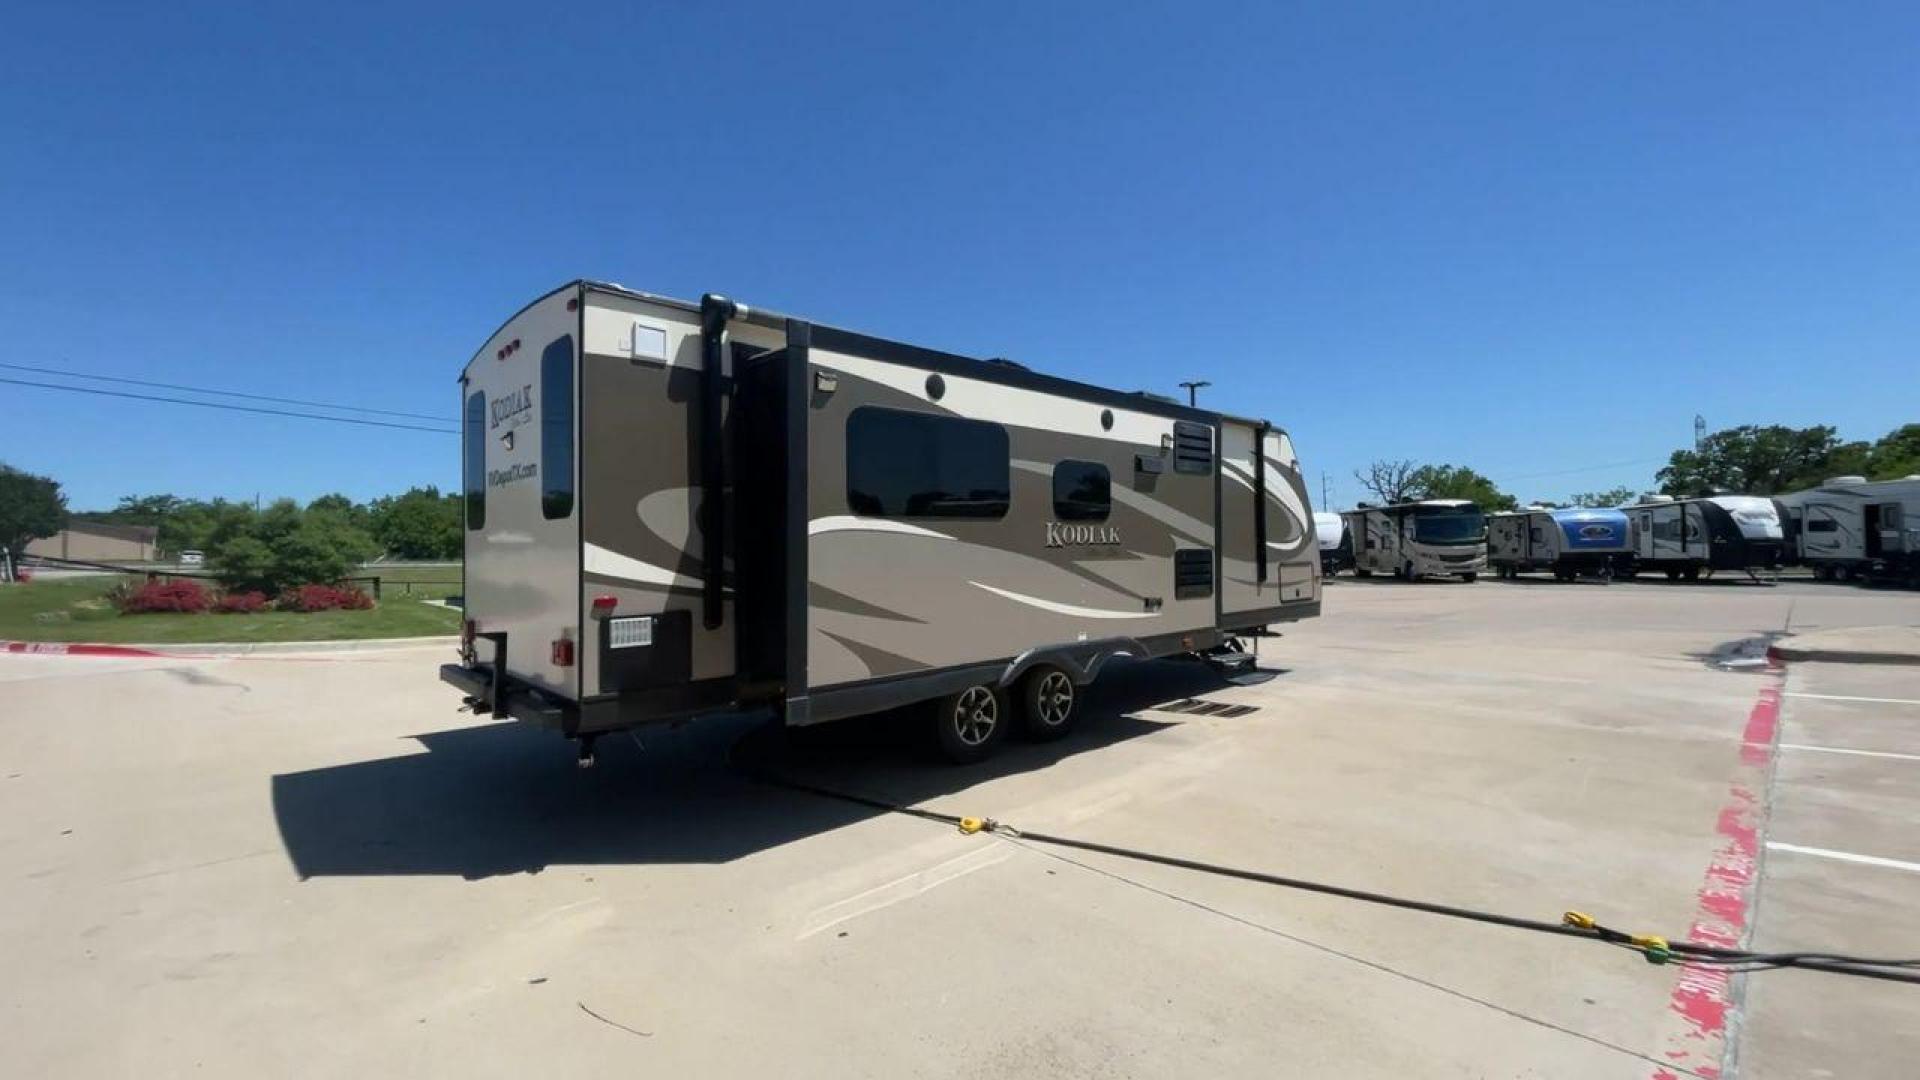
1081	660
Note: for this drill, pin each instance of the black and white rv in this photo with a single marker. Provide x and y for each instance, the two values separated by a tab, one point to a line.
1851	527
1414	540
679	509
1336	544
1684	538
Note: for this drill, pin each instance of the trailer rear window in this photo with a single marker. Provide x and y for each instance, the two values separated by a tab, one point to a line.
473	461
556	429
906	464
1082	491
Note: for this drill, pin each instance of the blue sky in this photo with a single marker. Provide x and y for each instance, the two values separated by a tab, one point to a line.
1533	240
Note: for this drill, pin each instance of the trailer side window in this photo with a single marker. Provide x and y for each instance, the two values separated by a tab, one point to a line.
1823	525
908	464
556	428
1192	447
1082	491
474	460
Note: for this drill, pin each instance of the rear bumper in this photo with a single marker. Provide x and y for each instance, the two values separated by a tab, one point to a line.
510	697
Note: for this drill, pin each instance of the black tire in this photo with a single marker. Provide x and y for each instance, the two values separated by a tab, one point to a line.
1470	578
1049	703
1673	575
970	724
1692	573
1361	571
1406	572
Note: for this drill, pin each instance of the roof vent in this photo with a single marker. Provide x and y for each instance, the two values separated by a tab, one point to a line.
1656	499
1003	361
1849	479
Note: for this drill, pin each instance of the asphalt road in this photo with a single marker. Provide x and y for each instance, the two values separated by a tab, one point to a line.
288	865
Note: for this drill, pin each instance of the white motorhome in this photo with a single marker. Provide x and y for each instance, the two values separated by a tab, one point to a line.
675	510
1852	527
1414	540
1684	538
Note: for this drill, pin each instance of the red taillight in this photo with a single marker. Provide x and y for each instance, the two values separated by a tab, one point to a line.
563	652
603	606
467	629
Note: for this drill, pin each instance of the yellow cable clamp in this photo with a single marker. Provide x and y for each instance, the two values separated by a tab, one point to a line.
971	825
1580	919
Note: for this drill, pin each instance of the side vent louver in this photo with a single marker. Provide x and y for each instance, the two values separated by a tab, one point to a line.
1192	447
1192	572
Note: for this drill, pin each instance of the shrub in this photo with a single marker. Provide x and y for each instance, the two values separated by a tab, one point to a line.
180	595
242	603
309	598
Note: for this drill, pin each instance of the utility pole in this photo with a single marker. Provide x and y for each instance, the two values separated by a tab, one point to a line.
1325	503
1699	431
1193	390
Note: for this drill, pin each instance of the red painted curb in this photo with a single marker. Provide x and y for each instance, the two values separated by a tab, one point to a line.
62	648
1703	997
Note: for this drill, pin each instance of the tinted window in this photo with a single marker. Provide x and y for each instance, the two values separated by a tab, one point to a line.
1082	491
473	463
1823	525
556	429
902	464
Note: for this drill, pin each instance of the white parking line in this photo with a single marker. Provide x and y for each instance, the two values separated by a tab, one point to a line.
1844	697
1846	856
1843	750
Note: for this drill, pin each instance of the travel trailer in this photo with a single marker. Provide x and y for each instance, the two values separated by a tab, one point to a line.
1568	542
1430	538
1849	527
1685	537
676	509
1336	547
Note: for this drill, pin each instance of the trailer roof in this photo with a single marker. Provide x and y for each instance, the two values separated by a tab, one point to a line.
1005	372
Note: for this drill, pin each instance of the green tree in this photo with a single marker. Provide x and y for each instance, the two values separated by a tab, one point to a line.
1458	482
420	524
1619	496
1752	460
30	507
1897	454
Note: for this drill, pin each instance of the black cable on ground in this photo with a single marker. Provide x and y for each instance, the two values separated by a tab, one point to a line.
1575	925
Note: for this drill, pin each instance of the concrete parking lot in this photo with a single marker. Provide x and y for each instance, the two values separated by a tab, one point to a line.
313	865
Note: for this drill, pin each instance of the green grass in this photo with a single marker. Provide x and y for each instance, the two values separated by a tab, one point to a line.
77	610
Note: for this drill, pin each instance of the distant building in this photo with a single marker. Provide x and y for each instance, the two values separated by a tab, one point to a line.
88	541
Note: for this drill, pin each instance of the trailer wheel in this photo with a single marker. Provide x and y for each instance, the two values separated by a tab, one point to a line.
1692	573
1049	703
1361	571
1406	572
970	724
1673	575
1470	577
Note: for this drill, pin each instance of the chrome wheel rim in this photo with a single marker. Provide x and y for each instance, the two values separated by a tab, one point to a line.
1053	699
975	715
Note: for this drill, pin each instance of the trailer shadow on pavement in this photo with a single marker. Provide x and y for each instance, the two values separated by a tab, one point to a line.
506	798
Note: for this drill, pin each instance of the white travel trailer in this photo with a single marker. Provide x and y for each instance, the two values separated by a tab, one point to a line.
1851	527
1336	546
1429	538
1684	538
1569	542
678	509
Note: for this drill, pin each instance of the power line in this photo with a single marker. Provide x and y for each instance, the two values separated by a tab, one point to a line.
225	393
229	408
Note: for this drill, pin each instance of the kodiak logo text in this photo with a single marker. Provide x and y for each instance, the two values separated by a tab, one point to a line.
511	408
1059	535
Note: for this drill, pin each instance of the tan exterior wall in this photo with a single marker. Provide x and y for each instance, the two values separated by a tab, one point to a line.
87	547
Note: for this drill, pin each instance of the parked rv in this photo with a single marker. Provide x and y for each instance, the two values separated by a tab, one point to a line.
1429	538
1336	544
675	510
1849	527
1684	538
1569	542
